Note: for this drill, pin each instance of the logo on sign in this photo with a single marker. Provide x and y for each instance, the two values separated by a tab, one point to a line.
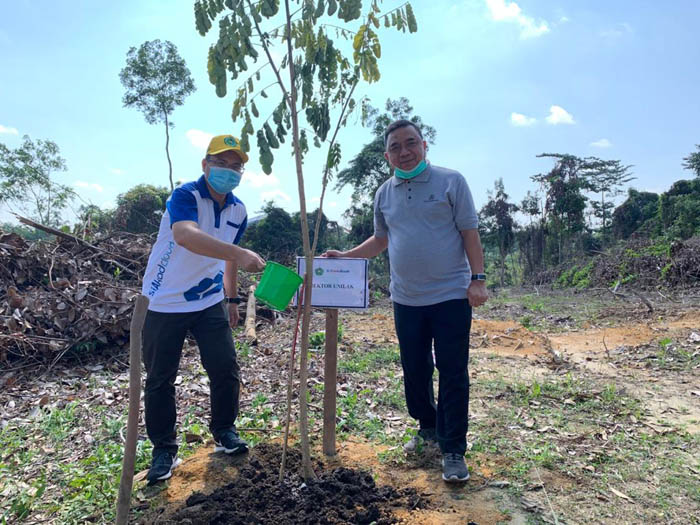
318	271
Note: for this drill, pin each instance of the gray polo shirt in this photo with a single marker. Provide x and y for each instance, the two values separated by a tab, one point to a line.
423	218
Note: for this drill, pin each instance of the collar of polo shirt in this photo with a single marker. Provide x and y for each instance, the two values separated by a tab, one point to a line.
423	177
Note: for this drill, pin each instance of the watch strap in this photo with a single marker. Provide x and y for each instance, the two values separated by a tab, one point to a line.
478	277
234	300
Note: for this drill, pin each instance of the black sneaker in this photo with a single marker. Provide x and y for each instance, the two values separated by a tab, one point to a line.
423	438
230	442
454	469
162	467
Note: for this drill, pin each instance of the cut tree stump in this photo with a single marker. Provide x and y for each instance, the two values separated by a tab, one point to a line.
250	334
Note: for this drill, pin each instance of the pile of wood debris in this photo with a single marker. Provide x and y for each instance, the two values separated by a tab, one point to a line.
67	294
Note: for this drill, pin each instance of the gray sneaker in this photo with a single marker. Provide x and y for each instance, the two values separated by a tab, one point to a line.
454	469
425	437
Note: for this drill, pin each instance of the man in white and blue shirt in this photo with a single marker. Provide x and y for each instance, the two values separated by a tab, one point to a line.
191	282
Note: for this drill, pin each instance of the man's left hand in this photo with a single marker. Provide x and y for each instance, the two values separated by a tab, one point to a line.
233	315
477	294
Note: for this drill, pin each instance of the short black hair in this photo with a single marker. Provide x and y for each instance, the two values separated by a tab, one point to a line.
401	123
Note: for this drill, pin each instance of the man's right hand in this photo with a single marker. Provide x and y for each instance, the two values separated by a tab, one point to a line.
250	261
333	253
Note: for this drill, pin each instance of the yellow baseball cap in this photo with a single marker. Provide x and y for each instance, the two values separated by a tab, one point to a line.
222	143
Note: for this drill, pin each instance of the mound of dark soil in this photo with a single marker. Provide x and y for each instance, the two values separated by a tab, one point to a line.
256	496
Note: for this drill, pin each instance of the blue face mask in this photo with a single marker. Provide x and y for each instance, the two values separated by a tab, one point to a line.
223	180
420	167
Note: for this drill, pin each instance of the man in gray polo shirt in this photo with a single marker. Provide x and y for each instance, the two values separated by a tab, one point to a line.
425	215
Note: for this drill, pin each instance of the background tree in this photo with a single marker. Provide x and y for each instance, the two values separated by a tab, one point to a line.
93	220
140	209
630	216
564	204
157	80
605	178
530	237
320	78
692	161
276	235
26	184
498	224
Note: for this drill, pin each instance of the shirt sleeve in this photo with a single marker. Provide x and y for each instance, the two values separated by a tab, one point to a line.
182	206
380	228
463	209
241	231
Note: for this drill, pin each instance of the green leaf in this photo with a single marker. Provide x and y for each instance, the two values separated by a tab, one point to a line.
320	8
411	18
269	8
254	109
250	85
270	136
263	94
359	36
332	6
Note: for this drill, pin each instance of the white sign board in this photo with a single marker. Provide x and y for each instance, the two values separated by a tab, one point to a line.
337	283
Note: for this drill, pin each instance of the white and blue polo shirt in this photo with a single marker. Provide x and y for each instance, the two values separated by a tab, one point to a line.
176	279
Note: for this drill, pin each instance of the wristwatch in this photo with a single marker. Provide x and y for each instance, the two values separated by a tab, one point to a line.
234	300
478	277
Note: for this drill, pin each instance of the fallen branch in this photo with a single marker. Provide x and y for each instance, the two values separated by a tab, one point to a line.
68	236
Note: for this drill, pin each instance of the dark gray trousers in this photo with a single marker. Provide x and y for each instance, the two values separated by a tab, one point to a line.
447	324
163	337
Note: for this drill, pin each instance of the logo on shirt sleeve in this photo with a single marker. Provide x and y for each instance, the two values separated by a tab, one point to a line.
205	288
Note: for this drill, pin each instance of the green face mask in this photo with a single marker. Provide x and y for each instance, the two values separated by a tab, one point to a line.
420	167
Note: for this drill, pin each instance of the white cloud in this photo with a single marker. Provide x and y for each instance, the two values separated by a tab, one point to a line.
116	171
520	120
504	11
198	138
602	143
8	130
88	185
258	180
558	115
314	200
618	31
272	195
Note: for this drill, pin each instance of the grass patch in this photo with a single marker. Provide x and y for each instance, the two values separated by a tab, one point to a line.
592	432
81	489
359	361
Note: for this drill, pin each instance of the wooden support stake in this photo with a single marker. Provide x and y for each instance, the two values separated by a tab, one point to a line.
250	317
138	318
330	376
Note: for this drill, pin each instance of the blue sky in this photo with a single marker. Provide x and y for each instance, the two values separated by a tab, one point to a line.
500	81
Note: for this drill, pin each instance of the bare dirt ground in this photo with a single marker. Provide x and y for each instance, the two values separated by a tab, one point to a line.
583	409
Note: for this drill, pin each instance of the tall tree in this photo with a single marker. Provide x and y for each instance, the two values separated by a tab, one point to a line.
320	81
564	203
531	237
496	218
692	161
605	178
26	183
156	80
